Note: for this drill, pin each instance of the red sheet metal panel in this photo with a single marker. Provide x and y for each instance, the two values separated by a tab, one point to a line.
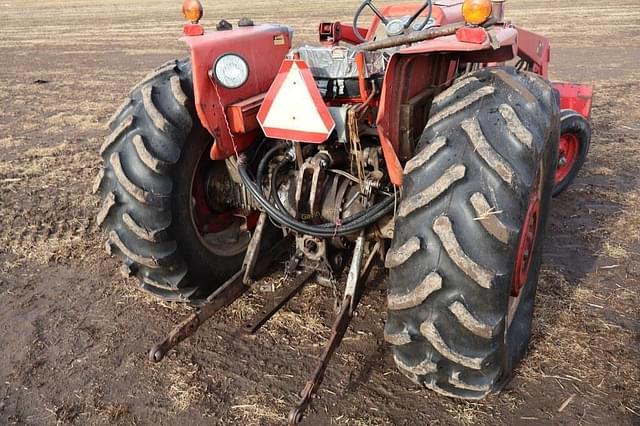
577	97
263	47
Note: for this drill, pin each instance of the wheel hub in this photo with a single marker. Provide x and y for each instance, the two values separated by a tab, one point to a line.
222	228
567	156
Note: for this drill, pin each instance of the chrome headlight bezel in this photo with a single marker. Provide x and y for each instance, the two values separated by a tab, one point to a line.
230	81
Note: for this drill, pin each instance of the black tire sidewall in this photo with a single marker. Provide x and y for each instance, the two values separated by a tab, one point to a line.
574	123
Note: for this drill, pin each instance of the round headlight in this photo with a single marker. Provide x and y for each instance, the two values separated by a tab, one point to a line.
231	71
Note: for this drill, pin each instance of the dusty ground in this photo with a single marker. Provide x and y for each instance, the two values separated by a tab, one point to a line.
74	335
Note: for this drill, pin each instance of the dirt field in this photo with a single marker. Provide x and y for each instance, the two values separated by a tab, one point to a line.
74	335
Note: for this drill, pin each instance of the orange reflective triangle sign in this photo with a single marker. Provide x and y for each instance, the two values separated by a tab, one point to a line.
293	108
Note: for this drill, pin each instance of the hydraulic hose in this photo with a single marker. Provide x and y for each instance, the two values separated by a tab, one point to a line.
323	231
265	160
274	186
351	219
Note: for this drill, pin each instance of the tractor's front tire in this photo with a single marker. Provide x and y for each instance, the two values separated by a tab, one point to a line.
149	161
575	138
469	233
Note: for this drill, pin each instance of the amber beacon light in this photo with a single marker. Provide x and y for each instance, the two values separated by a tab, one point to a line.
476	12
192	10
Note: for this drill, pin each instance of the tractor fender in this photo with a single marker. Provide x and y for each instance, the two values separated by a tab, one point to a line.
414	71
576	97
263	48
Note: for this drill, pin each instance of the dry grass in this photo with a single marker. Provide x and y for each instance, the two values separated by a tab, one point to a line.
258	409
185	389
615	250
34	230
309	323
604	171
115	412
570	321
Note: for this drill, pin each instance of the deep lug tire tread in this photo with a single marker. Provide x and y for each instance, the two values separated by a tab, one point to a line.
498	126
141	158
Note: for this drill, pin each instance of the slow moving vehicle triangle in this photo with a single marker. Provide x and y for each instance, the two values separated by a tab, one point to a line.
293	108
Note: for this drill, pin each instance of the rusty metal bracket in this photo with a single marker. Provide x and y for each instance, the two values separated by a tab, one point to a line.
366	270
337	334
251	257
340	326
221	298
353	278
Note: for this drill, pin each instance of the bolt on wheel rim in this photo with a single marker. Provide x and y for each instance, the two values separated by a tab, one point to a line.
525	253
223	233
567	156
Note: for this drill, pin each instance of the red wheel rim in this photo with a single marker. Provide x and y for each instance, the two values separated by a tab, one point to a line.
208	220
205	219
526	245
567	155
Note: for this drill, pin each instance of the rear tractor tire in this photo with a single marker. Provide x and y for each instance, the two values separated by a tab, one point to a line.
467	248
151	162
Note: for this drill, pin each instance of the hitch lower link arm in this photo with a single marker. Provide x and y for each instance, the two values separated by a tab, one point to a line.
353	292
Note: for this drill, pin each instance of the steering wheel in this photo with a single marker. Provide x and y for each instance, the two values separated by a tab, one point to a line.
394	27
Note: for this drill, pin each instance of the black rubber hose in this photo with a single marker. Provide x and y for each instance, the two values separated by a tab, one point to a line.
318	231
351	219
265	160
274	185
357	221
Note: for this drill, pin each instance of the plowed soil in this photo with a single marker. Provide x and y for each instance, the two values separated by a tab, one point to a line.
74	335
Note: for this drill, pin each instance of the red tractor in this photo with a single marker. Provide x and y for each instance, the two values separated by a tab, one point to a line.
430	140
